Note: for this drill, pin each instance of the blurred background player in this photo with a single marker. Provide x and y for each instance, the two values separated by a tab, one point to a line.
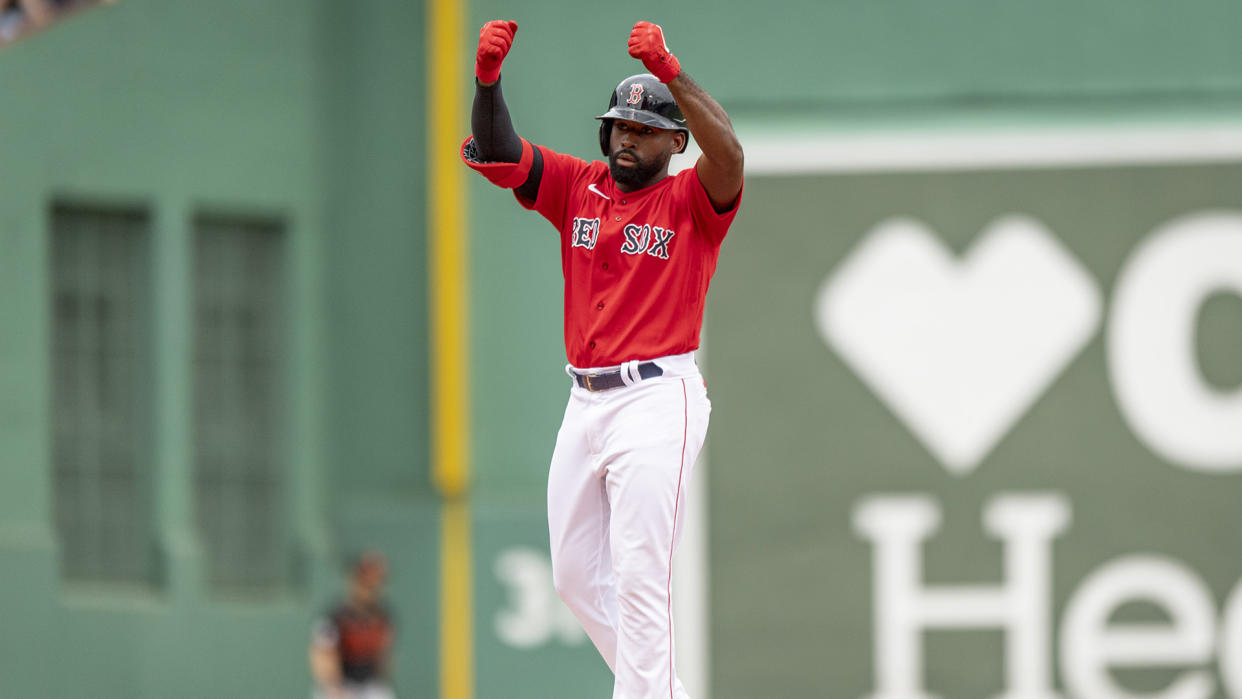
350	646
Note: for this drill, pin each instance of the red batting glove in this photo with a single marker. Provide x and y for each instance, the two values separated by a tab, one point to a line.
647	45
495	38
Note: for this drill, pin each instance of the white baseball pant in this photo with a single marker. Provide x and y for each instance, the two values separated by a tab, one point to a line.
358	690
616	505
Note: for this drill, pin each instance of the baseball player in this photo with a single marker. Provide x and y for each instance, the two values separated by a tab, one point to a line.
351	645
638	249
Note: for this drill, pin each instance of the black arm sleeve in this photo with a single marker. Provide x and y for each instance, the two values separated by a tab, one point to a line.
495	138
493	130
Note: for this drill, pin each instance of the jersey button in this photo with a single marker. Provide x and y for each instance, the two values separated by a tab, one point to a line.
618	218
600	307
591	344
624	201
605	266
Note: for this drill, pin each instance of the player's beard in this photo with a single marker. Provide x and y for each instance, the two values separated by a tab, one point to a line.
640	173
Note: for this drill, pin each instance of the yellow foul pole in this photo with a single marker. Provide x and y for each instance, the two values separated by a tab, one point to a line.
450	390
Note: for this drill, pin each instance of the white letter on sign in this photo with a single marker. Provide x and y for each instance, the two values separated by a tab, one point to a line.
904	607
534	615
1151	342
1089	647
1230	659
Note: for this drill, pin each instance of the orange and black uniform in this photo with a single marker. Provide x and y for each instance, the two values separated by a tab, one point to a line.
362	637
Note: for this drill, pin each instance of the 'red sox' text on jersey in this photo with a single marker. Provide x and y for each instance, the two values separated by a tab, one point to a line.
637	265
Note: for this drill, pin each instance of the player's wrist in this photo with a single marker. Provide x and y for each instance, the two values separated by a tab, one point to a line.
487	75
666	68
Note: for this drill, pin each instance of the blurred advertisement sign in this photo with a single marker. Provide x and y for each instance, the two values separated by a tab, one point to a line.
977	422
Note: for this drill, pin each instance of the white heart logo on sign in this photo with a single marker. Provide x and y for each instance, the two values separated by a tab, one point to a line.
958	349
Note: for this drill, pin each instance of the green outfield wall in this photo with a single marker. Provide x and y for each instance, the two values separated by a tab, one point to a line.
285	112
858	514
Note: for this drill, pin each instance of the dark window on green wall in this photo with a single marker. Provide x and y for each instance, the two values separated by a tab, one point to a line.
100	424
238	427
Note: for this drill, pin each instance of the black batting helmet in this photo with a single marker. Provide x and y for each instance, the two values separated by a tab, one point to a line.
646	100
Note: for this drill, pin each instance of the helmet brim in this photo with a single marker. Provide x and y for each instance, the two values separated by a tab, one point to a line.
642	117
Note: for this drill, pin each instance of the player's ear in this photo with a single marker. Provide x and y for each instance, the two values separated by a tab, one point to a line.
680	146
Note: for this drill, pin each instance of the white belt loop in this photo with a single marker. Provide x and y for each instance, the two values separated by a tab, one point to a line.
629	373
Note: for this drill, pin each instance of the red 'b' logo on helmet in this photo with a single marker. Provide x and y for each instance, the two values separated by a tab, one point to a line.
636	94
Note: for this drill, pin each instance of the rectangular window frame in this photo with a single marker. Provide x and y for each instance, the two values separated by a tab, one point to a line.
237	565
127	561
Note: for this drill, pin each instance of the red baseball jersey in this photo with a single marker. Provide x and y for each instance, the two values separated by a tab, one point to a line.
637	264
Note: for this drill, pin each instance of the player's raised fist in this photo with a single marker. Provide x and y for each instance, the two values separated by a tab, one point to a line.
495	39
647	45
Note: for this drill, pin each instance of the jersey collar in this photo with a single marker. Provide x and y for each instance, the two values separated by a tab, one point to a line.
615	191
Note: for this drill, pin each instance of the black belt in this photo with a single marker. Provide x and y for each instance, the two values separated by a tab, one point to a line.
612	379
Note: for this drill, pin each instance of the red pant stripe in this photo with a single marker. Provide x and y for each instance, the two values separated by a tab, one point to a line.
685	426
